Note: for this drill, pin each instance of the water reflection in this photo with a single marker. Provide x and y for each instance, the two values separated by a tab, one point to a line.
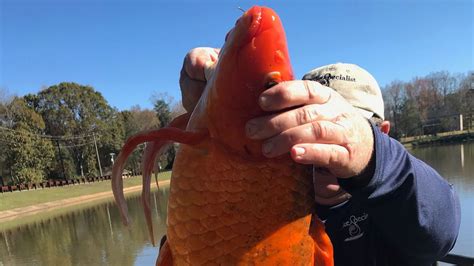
93	236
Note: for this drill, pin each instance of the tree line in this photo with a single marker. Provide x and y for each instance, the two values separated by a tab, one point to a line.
66	130
430	104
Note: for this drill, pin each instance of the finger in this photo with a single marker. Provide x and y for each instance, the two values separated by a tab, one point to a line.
325	132
268	126
197	60
330	156
191	91
294	93
192	78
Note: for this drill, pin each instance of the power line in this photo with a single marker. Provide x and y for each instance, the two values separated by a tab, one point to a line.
69	142
62	138
77	145
62	145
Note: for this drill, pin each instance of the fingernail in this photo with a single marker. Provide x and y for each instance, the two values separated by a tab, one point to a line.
268	147
251	129
264	101
299	151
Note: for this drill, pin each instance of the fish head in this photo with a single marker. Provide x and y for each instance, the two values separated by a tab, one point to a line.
253	58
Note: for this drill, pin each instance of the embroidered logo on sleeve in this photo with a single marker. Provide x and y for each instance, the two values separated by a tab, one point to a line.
353	227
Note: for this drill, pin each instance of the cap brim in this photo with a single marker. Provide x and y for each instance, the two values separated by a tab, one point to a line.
365	113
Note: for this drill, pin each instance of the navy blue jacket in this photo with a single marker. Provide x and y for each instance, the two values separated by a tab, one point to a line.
405	214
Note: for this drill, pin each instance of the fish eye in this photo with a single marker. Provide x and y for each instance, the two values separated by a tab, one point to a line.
270	84
272	79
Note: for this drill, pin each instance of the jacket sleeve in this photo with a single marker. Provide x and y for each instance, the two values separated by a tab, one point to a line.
413	206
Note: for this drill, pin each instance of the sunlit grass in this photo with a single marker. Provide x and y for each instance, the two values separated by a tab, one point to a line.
12	200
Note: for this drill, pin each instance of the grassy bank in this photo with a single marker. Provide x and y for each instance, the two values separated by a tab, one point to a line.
27	198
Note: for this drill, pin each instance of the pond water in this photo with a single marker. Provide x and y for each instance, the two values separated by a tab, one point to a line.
95	235
89	236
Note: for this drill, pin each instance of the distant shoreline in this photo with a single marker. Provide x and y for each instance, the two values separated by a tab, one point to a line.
16	213
453	137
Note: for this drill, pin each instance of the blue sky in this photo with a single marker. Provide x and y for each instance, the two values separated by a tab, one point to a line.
130	50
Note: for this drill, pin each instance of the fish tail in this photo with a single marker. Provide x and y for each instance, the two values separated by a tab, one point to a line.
173	133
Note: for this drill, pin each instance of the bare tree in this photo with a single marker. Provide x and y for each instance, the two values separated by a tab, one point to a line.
5	113
394	98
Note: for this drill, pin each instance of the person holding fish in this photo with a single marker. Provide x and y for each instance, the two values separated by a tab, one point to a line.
380	204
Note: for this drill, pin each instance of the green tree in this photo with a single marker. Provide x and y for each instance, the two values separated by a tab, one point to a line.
5	122
29	153
79	114
164	114
165	111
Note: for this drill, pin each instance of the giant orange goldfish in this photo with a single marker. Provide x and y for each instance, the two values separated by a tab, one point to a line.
228	203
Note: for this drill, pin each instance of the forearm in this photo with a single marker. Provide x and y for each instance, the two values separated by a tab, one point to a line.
413	206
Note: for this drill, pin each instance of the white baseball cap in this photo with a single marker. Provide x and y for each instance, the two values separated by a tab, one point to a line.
354	83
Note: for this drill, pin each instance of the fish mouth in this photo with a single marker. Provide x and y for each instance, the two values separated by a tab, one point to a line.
249	26
256	21
260	20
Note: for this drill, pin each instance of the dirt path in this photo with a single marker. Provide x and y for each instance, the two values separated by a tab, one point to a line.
47	206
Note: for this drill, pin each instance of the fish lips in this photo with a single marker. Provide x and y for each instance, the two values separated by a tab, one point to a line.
251	24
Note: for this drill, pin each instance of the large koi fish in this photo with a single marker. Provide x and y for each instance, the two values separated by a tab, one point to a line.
229	205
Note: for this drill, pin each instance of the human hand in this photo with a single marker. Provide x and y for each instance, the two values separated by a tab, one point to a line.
322	128
193	75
